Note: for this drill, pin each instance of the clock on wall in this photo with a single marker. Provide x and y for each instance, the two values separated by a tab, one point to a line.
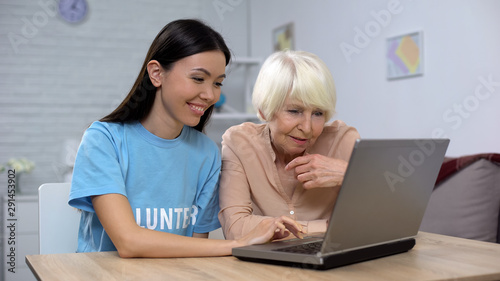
73	11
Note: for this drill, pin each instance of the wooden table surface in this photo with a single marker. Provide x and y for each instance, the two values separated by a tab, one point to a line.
434	257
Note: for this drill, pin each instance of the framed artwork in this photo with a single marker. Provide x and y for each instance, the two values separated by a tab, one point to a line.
283	37
404	55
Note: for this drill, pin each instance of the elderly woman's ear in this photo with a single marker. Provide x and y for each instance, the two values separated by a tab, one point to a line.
262	116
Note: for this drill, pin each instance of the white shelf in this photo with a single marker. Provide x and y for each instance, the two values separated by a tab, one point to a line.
245	60
247	63
234	116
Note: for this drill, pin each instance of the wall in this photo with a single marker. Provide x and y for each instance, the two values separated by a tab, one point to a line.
230	18
461	42
56	78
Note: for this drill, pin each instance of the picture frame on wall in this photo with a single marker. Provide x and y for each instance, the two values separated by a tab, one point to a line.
404	55
283	37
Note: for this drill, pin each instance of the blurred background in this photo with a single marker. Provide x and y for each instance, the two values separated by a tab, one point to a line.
67	63
57	77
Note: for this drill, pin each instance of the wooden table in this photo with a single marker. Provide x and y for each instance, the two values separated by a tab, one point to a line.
435	257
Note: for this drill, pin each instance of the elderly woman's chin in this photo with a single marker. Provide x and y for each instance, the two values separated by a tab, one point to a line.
292	152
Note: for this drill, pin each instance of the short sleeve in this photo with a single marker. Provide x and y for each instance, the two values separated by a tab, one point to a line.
97	169
208	199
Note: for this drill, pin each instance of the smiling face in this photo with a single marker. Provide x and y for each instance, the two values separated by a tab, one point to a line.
185	91
294	128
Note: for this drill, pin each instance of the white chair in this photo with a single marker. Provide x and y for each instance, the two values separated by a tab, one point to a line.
57	221
216	234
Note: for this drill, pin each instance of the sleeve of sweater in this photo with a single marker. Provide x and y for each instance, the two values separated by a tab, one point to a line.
236	214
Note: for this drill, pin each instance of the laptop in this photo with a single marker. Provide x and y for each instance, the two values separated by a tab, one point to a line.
378	212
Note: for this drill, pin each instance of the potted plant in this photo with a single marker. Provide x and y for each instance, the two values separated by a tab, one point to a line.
17	167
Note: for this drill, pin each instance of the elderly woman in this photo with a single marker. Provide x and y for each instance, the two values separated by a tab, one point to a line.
294	163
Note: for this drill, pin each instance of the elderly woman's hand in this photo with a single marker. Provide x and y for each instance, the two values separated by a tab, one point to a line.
272	229
315	170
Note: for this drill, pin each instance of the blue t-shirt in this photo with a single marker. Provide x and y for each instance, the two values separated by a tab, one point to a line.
172	185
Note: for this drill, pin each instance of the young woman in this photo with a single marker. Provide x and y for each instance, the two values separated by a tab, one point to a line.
145	177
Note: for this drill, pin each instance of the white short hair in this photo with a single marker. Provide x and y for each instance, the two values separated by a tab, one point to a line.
299	75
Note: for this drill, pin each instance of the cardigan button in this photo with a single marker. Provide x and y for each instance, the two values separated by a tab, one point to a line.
292	212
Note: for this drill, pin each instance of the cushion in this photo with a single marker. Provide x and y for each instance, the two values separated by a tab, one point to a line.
467	204
452	165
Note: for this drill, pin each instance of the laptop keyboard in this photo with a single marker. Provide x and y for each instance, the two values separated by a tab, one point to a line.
309	248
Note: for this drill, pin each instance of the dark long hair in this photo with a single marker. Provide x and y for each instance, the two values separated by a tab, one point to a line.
177	40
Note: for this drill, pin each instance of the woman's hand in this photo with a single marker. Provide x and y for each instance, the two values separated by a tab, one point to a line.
315	170
271	229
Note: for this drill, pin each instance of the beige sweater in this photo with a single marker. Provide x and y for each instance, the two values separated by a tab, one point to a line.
251	188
